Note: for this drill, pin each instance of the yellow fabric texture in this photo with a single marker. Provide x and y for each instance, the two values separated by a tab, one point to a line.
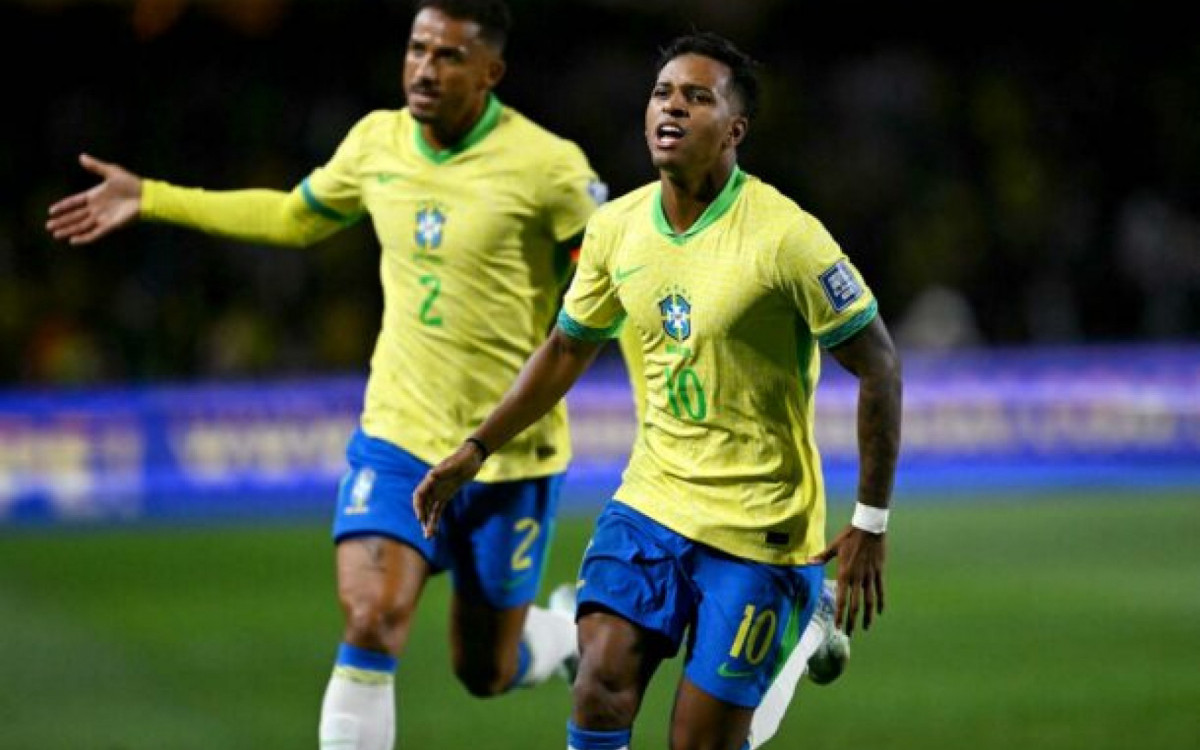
272	217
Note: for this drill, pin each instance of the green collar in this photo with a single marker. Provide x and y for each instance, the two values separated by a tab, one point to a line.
485	124
715	210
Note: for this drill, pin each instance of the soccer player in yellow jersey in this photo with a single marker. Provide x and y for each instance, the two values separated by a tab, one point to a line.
717	531
477	211
821	652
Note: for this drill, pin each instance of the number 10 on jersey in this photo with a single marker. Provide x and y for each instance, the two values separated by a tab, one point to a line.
685	393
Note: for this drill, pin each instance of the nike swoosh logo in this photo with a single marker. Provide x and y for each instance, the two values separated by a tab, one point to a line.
512	583
725	671
386	177
620	275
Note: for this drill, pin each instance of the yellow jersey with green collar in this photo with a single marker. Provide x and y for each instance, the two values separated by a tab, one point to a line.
473	264
729	315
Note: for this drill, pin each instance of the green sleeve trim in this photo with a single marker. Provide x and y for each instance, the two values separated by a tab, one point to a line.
577	330
320	208
846	330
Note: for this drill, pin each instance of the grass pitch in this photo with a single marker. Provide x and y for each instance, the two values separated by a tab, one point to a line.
1048	622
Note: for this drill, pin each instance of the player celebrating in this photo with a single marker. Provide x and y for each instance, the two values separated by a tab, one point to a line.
477	211
717	529
822	651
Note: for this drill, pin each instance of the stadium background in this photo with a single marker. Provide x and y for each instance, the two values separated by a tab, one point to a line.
1019	187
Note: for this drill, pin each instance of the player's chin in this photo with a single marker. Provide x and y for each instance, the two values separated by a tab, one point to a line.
424	109
423	114
662	158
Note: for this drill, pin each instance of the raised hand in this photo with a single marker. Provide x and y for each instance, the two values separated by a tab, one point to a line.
87	216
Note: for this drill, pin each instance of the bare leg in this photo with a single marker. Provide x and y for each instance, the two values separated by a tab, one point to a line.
701	722
617	660
483	645
379	584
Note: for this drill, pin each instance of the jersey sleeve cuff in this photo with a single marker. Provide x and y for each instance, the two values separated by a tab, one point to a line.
852	326
152	191
577	330
319	208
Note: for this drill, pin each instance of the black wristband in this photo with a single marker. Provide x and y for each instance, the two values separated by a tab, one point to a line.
483	449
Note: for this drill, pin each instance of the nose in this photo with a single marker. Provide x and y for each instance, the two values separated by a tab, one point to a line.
424	68
675	105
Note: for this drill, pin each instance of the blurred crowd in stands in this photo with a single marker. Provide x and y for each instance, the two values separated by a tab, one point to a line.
999	182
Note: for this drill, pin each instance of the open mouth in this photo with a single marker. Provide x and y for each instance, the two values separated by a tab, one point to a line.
423	95
668	134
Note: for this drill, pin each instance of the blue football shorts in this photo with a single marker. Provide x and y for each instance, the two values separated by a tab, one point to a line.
742	618
492	537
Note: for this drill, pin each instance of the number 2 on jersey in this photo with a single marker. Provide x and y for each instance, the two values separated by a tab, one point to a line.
531	529
427	315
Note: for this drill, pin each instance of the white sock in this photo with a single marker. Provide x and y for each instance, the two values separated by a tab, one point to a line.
550	637
358	713
769	714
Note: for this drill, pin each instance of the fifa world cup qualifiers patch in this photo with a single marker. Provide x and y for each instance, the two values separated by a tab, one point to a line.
599	191
841	286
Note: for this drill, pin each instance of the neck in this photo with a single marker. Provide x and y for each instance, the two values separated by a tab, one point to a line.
443	135
685	197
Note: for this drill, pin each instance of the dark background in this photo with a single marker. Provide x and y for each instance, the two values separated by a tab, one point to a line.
1003	175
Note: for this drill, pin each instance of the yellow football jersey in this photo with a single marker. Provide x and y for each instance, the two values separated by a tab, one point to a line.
472	264
729	315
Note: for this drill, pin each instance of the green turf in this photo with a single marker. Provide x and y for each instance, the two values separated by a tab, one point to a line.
1050	622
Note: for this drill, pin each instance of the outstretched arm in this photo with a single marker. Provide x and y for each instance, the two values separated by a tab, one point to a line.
272	217
544	380
89	215
871	357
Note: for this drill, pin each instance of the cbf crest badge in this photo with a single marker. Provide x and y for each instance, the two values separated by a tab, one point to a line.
431	224
360	492
676	314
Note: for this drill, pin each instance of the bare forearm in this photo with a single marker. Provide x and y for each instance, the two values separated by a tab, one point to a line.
871	356
879	413
544	380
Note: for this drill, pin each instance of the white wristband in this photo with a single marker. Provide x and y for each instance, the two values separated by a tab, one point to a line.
869	518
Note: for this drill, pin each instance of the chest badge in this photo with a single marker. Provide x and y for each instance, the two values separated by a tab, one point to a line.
676	314
431	224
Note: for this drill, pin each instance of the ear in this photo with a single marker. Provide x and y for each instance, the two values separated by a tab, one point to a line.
495	72
737	131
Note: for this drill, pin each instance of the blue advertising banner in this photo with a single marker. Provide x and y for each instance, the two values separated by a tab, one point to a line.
974	421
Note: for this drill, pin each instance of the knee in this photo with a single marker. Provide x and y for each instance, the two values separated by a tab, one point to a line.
375	625
602	698
482	680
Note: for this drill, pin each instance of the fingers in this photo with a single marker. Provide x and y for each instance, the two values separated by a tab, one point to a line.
839	605
96	232
71	225
868	600
879	589
426	504
824	556
68	204
94	165
77	217
853	605
859	601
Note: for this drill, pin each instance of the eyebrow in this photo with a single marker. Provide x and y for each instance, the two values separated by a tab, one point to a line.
463	49
688	87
